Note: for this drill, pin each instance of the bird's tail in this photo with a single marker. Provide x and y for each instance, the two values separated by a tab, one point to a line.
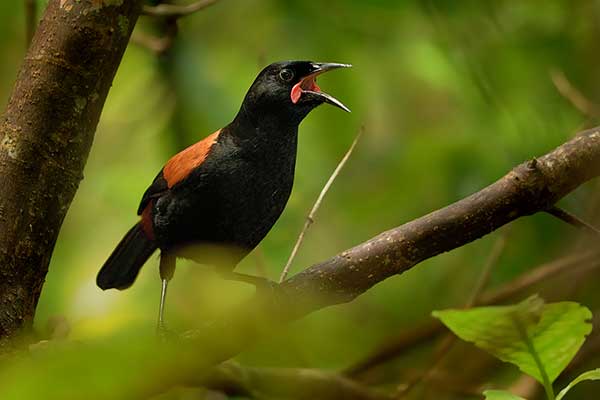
123	265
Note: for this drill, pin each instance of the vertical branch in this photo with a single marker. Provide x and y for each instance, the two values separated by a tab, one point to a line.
165	46
167	59
489	265
30	20
45	137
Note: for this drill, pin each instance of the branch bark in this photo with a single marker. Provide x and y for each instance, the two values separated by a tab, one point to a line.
529	188
396	346
45	137
177	11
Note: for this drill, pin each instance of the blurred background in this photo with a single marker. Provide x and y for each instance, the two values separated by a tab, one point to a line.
451	94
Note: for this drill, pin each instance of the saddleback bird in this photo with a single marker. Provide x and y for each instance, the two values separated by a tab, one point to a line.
216	200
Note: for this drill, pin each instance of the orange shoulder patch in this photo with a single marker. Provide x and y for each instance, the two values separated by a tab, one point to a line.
146	221
182	164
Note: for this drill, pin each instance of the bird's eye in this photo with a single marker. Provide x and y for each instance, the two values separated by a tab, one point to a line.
286	75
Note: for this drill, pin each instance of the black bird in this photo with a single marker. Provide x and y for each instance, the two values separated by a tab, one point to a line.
217	199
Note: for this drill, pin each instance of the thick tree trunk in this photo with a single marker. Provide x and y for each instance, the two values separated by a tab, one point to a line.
45	137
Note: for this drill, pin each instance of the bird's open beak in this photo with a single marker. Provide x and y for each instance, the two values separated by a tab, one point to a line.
307	88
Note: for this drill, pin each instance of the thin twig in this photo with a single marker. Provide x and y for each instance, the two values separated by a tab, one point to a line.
573	95
489	265
573	220
176	11
311	215
157	45
161	42
30	20
581	262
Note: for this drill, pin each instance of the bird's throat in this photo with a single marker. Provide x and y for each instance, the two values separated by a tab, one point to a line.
261	128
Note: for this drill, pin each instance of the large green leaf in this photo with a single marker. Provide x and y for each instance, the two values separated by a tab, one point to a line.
500	395
539	338
592	375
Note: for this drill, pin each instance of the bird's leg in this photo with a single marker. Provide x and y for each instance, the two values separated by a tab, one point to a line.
167	270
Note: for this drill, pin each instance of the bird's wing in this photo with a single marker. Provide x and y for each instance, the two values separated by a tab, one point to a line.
177	169
158	187
182	164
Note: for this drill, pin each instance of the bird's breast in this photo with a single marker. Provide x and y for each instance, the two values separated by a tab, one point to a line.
255	195
234	197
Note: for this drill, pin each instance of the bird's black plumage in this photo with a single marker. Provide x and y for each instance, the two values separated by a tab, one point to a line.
227	191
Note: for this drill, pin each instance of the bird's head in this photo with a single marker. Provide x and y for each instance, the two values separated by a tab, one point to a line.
289	89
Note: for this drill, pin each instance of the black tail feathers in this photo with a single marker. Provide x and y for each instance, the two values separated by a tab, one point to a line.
123	265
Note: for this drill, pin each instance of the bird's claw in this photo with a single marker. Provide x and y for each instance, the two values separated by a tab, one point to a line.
271	290
263	286
163	333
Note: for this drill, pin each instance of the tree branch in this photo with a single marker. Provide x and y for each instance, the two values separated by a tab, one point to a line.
529	188
394	347
30	20
45	137
573	220
176	11
158	45
573	95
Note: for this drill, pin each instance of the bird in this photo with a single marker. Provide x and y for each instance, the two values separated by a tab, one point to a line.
217	199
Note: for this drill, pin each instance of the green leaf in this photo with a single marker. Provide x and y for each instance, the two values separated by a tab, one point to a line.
500	395
592	375
541	339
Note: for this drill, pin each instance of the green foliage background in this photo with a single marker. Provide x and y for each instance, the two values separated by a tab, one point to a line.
452	95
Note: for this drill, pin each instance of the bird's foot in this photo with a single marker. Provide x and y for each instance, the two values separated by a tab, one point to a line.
258	282
263	286
163	333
